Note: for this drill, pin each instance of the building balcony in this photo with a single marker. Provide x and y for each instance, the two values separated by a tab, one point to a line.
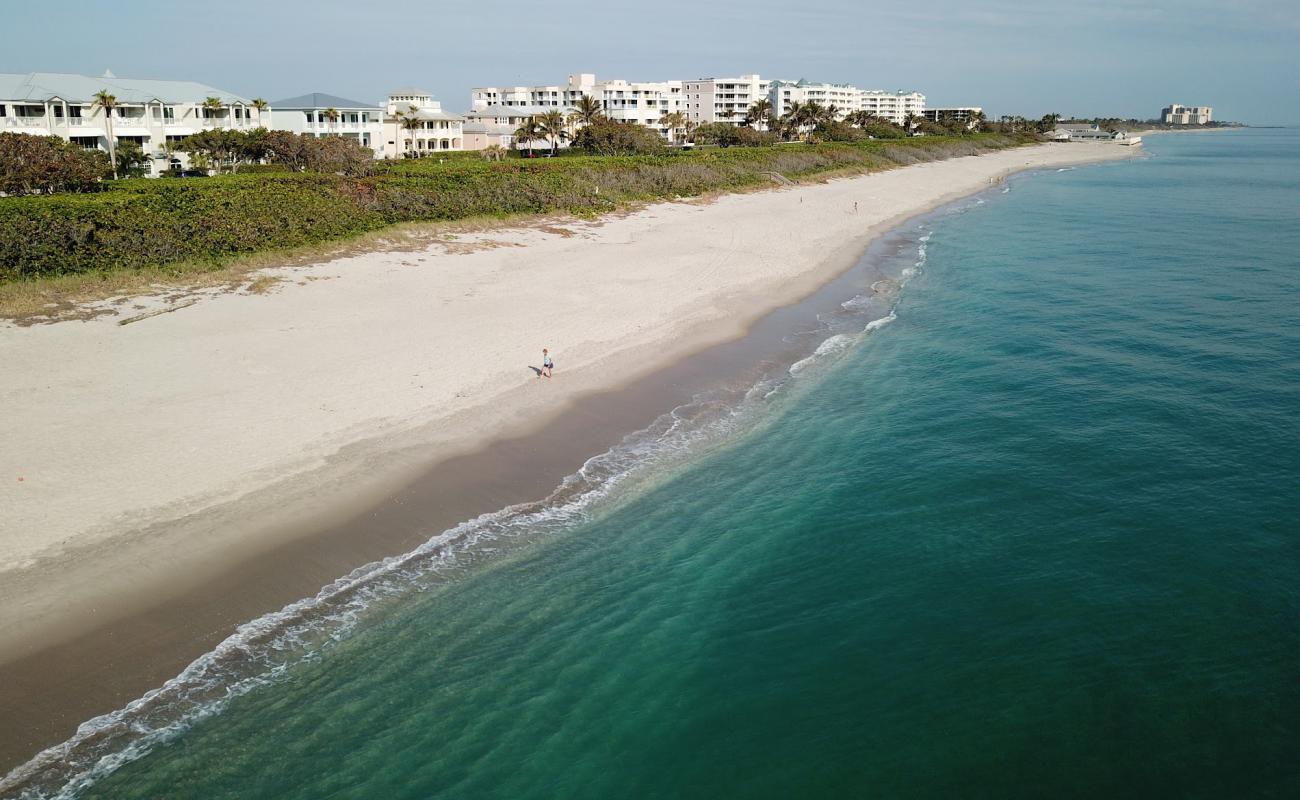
24	122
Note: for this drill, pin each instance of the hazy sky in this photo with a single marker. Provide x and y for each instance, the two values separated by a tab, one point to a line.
1082	57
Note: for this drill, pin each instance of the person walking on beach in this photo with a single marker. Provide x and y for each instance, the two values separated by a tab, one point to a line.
547	364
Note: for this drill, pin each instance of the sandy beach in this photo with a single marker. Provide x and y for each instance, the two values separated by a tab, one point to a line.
142	465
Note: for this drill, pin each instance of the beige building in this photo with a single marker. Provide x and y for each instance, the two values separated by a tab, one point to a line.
485	127
707	100
434	130
1174	114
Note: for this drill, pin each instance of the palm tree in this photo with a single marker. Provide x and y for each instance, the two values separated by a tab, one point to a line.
553	126
758	112
412	123
494	152
108	102
1048	122
527	132
406	121
213	105
262	107
331	115
587	110
674	122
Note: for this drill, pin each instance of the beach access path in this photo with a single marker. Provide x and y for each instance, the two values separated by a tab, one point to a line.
126	451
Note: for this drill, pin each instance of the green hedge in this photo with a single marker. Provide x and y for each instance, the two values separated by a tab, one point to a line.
151	222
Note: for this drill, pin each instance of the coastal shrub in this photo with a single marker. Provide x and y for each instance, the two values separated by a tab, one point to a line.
144	222
610	138
47	164
724	135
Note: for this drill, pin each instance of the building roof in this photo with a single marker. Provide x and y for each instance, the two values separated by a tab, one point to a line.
42	86
409	91
430	114
489	128
320	100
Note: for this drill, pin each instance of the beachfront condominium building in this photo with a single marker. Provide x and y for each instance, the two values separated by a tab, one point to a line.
893	106
640	102
415	125
1174	114
971	115
726	100
149	113
844	98
319	114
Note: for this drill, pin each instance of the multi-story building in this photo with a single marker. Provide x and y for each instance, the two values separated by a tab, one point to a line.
148	113
320	115
893	106
840	96
415	125
701	100
485	127
967	114
1175	114
721	99
640	102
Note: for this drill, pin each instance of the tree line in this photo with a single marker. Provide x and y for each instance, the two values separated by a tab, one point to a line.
588	129
48	164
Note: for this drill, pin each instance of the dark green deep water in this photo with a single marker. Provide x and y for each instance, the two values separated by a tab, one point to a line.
1040	536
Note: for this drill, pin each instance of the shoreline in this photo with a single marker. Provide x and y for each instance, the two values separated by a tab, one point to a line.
192	580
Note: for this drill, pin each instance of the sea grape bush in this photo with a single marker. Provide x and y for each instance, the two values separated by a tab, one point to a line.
48	164
144	222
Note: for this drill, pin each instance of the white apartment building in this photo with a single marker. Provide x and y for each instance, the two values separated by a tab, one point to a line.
640	102
843	97
893	106
435	130
318	114
1175	114
967	114
149	113
722	99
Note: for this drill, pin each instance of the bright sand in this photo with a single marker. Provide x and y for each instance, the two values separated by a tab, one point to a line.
137	459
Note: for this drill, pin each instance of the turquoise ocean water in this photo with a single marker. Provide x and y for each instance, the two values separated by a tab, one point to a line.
1037	536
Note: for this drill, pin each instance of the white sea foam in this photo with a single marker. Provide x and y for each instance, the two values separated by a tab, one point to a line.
835	344
877	324
859	302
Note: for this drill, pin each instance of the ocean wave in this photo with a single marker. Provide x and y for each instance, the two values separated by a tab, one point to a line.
835	344
877	324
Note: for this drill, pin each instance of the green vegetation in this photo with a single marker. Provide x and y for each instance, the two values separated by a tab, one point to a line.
195	224
47	164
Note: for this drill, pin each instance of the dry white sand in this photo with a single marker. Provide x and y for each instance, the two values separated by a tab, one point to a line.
108	429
